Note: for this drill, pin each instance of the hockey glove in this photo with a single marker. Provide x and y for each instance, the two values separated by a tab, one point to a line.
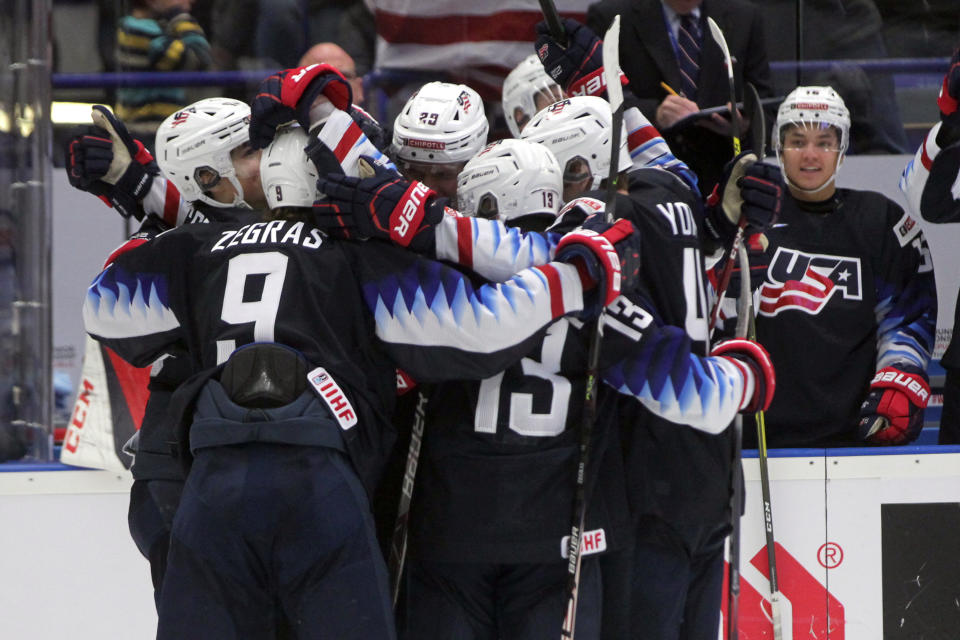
607	257
750	189
120	173
578	68
382	206
950	93
574	214
288	95
759	378
893	411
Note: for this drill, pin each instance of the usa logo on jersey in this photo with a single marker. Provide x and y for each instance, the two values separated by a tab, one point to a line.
805	282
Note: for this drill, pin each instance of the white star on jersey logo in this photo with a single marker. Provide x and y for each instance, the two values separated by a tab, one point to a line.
844	275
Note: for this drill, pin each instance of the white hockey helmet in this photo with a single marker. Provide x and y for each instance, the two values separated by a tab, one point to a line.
288	176
199	138
818	106
509	179
521	87
441	123
579	128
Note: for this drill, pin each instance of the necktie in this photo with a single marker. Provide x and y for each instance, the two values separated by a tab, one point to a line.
688	45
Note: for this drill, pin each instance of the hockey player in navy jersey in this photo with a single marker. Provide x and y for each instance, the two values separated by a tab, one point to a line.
929	183
105	160
140	306
679	504
846	303
440	127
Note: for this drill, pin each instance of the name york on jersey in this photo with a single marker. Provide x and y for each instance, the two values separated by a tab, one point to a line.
805	282
273	232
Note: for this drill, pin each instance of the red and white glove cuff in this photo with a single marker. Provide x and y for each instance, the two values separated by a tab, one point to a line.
408	215
592	84
911	385
761	359
601	246
296	81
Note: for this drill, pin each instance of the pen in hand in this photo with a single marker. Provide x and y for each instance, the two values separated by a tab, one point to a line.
669	89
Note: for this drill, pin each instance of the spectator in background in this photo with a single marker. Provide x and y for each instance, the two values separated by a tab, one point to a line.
336	57
652	46
357	34
839	30
157	35
275	33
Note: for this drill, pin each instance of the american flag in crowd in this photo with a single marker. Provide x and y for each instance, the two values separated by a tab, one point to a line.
477	43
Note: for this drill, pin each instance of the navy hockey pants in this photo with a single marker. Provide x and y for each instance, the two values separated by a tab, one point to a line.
153	504
476	601
677	581
272	536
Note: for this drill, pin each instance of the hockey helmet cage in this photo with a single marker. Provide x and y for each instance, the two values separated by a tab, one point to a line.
197	140
509	179
579	128
288	176
814	105
520	90
441	123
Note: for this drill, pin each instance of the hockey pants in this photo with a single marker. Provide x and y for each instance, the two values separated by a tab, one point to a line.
273	536
477	601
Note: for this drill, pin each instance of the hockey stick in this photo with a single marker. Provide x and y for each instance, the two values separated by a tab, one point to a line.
728	62
735	134
398	542
736	500
611	72
550	14
758	122
744	322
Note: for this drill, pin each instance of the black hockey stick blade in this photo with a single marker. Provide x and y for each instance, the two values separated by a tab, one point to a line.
758	120
550	14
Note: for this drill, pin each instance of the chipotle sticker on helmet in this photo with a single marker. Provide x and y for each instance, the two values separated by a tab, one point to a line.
424	144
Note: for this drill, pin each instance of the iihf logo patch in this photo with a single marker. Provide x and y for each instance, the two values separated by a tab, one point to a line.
805	282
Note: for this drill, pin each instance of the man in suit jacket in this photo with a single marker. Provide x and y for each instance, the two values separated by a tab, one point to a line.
649	56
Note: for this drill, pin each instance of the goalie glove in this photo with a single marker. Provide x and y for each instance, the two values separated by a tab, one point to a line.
578	67
893	411
381	204
105	160
289	95
759	377
607	257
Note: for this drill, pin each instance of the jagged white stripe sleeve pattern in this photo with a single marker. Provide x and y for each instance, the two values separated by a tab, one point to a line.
119	304
445	310
490	248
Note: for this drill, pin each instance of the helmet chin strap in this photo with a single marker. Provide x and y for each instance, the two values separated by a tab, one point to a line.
826	183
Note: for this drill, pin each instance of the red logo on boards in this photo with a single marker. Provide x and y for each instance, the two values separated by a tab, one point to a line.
816	612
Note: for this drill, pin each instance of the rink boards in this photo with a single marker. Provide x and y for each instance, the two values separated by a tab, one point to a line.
867	549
